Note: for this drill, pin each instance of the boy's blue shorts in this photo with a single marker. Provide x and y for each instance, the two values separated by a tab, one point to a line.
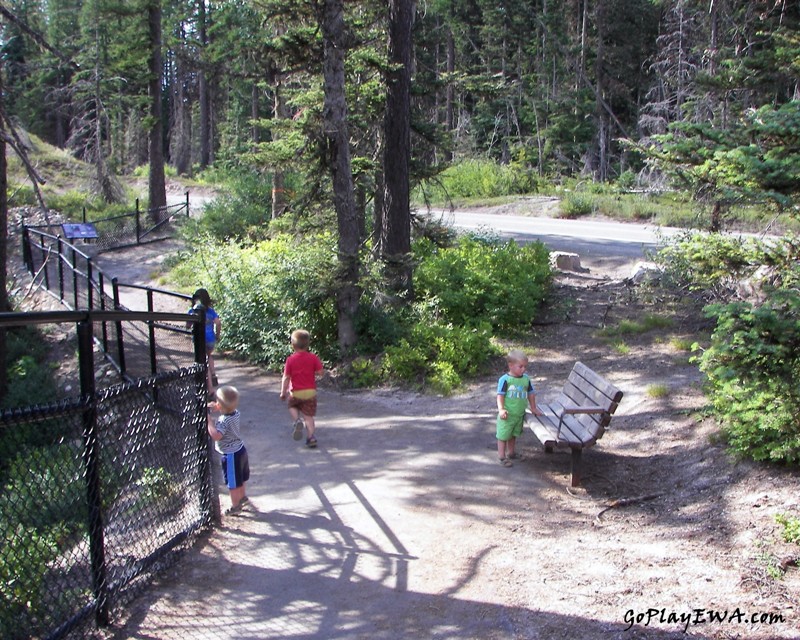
235	468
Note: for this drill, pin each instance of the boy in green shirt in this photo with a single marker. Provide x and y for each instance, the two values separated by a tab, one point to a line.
514	394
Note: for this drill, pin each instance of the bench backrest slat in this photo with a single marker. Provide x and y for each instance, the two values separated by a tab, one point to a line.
589	387
585	387
581	429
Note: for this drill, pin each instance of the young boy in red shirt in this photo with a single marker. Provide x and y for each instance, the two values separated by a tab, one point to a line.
299	382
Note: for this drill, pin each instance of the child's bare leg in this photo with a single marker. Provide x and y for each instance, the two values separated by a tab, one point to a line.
501	449
211	369
310	424
237	495
511	447
294	413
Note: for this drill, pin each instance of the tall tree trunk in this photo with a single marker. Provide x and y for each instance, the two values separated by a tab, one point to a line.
3	245
395	239
203	92
450	119
334	114
156	183
279	112
254	137
602	126
181	133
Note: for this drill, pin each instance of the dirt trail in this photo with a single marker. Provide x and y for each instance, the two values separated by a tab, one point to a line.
403	525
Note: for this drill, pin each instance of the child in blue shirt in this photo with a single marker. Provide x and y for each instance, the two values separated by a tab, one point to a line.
515	394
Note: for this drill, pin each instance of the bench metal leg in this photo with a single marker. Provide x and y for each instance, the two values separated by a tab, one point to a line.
576	467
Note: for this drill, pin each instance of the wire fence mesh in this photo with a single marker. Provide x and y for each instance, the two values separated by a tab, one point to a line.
101	490
98	493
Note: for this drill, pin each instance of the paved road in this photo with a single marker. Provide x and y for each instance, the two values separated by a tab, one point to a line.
590	238
600	242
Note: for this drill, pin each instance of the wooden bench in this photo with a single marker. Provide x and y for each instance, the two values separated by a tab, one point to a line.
578	417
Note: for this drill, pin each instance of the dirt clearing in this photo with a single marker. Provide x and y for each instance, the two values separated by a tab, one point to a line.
403	525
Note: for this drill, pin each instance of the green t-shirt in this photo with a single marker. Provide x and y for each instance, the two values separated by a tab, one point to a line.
516	392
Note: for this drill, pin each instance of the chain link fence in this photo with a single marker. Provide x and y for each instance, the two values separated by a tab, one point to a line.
99	491
125	230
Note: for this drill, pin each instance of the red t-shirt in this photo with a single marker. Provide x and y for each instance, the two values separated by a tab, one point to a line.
300	368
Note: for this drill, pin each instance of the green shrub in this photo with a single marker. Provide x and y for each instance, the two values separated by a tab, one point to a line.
43	507
480	178
265	291
362	372
24	564
576	204
502	284
752	366
31	378
709	263
439	354
444	379
55	496
155	485
791	527
242	212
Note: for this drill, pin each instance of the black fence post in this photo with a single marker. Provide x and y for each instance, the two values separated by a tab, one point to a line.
27	255
89	287
187	204
102	293
120	344
45	255
74	265
91	460
212	474
151	328
138	222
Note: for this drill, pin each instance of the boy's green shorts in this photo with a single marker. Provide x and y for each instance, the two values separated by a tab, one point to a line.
511	427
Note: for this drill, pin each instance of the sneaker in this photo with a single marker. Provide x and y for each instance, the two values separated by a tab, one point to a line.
311	442
236	510
297	429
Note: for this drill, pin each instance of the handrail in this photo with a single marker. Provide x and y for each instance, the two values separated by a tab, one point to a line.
50	236
15	318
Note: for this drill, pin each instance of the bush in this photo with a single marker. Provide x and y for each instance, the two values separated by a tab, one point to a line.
752	365
790	526
479	178
438	354
576	204
31	378
709	263
242	212
43	512
265	291
469	283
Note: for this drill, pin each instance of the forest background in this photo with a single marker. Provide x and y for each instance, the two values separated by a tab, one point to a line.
326	119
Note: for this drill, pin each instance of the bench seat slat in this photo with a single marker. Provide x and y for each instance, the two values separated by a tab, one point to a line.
590	417
576	430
